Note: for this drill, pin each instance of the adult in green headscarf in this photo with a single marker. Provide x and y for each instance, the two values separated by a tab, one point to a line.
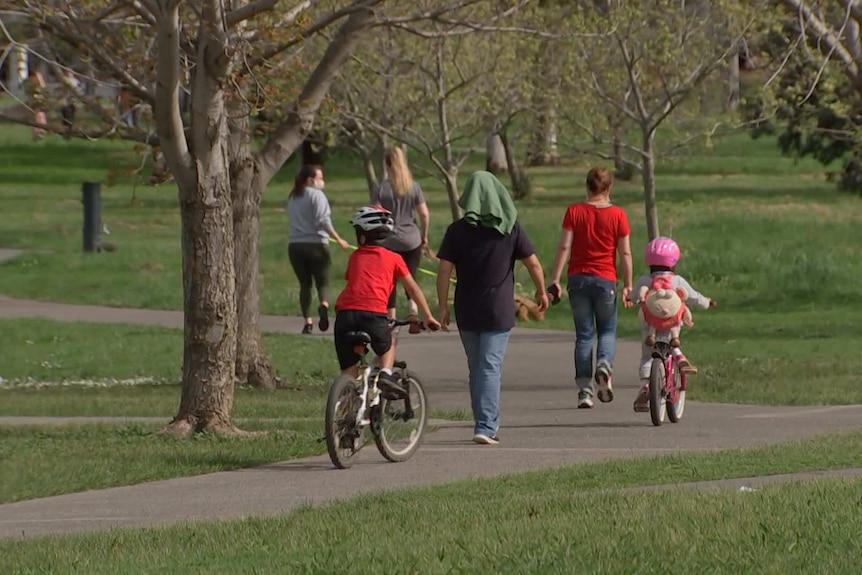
482	248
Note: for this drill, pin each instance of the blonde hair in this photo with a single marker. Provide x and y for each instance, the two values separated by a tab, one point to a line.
399	173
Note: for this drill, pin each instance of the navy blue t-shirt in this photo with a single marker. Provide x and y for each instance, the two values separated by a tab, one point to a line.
484	262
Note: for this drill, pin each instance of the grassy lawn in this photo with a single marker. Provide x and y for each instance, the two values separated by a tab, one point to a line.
766	236
573	519
39	461
77	369
46	350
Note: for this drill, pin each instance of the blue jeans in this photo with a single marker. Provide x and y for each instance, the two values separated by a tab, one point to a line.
485	351
594	308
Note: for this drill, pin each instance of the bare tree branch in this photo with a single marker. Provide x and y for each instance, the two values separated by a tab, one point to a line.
107	11
169	122
824	32
633	81
300	116
57	26
150	6
321	24
112	132
853	8
252	9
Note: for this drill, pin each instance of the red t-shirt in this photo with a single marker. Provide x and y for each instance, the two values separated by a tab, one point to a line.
596	231
371	274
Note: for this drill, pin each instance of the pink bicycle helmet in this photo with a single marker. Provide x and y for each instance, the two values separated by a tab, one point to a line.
661	252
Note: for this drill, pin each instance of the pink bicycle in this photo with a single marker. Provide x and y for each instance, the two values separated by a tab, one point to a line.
666	384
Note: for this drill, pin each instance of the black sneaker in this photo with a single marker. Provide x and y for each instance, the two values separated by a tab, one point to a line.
390	386
307	329
323	315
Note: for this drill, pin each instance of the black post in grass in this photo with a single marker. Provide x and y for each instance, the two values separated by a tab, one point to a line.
91	198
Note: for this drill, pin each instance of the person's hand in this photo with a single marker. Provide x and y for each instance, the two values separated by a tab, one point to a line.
627	292
343	243
555	290
712	302
542	299
444	318
432	323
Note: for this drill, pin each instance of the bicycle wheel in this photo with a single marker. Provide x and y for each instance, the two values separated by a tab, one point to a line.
402	422
676	408
657	403
343	436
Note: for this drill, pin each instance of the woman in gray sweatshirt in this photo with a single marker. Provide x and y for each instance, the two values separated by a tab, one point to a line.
308	242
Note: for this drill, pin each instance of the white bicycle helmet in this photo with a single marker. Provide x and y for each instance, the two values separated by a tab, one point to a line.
373	218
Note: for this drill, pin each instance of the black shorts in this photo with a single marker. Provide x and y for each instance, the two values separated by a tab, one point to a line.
374	324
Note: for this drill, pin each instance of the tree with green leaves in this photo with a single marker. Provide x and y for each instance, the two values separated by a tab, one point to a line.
222	52
813	99
646	62
443	93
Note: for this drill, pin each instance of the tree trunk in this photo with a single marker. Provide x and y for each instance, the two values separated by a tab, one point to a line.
450	169
619	161
452	191
368	169
495	155
732	77
543	151
209	342
521	187
648	175
252	363
199	159
543	148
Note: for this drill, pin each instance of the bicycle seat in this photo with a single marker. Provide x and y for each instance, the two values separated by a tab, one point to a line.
358	337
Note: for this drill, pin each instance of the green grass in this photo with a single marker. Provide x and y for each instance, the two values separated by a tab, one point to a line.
45	350
39	461
58	369
765	235
573	519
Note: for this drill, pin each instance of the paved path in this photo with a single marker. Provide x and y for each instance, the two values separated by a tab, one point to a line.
540	428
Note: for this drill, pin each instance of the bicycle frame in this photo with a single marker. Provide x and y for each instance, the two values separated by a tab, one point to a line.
369	394
662	351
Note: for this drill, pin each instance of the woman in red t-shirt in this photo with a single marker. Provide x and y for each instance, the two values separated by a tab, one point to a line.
595	232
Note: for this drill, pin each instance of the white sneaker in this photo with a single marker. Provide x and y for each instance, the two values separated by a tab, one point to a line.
605	392
641	404
483	439
585	400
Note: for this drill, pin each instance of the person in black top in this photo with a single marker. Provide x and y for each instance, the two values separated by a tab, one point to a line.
482	248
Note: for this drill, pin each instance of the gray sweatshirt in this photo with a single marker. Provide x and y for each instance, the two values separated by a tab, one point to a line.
310	217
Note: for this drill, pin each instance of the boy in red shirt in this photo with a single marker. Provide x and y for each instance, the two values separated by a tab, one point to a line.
363	304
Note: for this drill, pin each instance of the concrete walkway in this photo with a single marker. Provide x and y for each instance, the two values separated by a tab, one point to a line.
541	427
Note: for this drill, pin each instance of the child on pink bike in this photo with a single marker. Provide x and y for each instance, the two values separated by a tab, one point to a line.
662	255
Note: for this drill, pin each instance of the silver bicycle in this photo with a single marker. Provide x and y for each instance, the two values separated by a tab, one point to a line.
355	403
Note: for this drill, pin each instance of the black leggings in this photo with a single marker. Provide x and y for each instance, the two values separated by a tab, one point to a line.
411	258
310	262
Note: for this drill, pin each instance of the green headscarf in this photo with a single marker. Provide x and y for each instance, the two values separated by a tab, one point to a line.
487	203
